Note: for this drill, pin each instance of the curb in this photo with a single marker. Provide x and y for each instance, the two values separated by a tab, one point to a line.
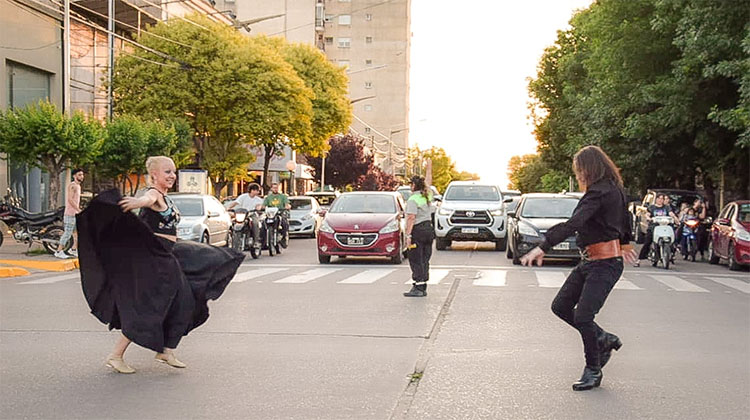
65	265
13	272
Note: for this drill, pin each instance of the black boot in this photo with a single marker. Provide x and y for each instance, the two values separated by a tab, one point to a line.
607	343
416	291
591	378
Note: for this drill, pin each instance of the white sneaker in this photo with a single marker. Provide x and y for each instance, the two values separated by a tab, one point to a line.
73	252
61	255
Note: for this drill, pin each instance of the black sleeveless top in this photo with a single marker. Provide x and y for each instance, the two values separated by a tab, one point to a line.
164	222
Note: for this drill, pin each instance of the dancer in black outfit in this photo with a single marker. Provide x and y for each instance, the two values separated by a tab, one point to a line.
137	278
602	228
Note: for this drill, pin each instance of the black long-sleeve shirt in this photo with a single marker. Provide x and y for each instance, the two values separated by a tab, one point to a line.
600	216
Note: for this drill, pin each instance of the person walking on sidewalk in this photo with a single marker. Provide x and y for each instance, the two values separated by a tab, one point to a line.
72	207
602	227
419	236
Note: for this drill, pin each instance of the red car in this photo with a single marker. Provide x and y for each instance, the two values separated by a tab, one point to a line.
364	224
730	235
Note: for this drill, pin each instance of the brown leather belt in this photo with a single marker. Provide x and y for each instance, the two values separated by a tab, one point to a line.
603	250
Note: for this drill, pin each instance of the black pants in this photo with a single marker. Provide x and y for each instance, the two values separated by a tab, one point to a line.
582	296
648	240
419	258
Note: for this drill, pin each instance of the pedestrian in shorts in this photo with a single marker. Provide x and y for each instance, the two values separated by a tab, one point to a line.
72	207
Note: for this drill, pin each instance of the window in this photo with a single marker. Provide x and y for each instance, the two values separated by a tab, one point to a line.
343	63
345	19
345	1
368	63
368	85
329	40
329	18
368	107
368	16
367	130
368	40
345	42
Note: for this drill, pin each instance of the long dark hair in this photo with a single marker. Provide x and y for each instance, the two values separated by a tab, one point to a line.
420	186
592	165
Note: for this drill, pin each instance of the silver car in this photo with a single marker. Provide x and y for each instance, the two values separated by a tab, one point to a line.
304	216
202	219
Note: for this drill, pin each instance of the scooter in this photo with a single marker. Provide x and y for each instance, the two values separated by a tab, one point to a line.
246	232
689	239
661	246
30	228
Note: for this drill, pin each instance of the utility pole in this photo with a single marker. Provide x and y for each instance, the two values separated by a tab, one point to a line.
323	173
111	52
66	57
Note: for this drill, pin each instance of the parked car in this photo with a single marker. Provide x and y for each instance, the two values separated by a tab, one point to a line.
730	235
471	211
640	224
325	198
202	219
535	214
304	216
363	223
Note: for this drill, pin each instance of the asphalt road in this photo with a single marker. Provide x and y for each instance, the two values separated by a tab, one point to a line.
293	339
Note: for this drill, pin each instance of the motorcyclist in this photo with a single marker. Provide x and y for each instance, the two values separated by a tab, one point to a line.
280	201
656	209
251	201
686	231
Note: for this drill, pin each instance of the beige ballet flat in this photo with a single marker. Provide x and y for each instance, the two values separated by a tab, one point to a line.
119	365
169	359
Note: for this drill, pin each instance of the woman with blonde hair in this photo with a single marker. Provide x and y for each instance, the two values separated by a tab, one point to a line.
138	278
601	224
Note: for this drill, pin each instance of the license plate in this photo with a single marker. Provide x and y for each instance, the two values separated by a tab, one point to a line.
355	241
562	246
469	230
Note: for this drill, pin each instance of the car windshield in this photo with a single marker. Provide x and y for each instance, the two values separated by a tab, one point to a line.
324	199
472	193
364	203
189	206
405	192
549	208
744	214
513	204
300	204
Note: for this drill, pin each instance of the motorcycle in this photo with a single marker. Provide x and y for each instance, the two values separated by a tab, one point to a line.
29	228
661	246
246	232
690	239
276	235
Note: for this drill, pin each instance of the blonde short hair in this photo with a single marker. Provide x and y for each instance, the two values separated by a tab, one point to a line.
153	163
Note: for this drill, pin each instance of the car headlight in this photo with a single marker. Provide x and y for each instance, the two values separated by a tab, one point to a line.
240	217
184	230
308	216
392	226
527	230
444	212
742	235
325	227
496	212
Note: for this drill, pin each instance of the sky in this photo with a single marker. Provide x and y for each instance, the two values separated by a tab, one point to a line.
470	61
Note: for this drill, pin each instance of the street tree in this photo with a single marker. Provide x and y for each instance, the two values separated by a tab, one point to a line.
346	161
40	135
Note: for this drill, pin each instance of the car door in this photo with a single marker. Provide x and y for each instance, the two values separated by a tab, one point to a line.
722	235
216	230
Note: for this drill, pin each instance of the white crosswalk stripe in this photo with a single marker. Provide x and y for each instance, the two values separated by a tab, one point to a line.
679	285
491	278
733	283
554	279
54	279
625	284
254	274
368	276
308	275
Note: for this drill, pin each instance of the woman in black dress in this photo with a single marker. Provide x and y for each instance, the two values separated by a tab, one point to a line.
135	275
602	227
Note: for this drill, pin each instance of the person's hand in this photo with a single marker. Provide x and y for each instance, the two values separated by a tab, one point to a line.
630	255
408	241
129	203
535	255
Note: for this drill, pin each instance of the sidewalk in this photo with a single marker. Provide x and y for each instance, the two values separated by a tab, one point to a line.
14	260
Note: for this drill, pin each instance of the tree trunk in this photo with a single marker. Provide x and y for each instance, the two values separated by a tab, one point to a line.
218	186
268	155
54	182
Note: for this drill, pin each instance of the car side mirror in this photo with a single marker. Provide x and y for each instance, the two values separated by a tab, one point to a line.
322	212
508	200
511	214
213	214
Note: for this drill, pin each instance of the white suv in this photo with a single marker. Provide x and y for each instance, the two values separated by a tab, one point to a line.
471	211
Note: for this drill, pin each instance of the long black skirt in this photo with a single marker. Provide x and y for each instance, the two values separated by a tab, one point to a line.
156	291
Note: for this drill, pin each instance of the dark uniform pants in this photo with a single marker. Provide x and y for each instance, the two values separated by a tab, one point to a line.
419	258
582	296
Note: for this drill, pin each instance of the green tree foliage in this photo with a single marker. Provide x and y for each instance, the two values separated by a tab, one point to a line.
525	173
41	136
661	85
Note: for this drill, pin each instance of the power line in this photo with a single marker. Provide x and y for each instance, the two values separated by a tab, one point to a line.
31	48
334	16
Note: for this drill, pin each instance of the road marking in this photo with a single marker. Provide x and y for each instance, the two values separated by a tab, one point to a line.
491	278
554	279
252	274
54	279
624	284
308	275
679	285
368	276
733	283
435	276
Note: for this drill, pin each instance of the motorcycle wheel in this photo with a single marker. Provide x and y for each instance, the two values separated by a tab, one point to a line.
51	240
666	255
270	241
278	248
653	255
238	242
284	240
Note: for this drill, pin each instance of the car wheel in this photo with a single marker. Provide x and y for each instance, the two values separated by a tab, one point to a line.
441	244
733	265
398	258
712	257
501	244
204	238
324	259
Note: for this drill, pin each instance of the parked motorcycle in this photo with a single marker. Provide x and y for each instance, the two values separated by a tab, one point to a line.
690	239
276	234
246	232
661	246
29	228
